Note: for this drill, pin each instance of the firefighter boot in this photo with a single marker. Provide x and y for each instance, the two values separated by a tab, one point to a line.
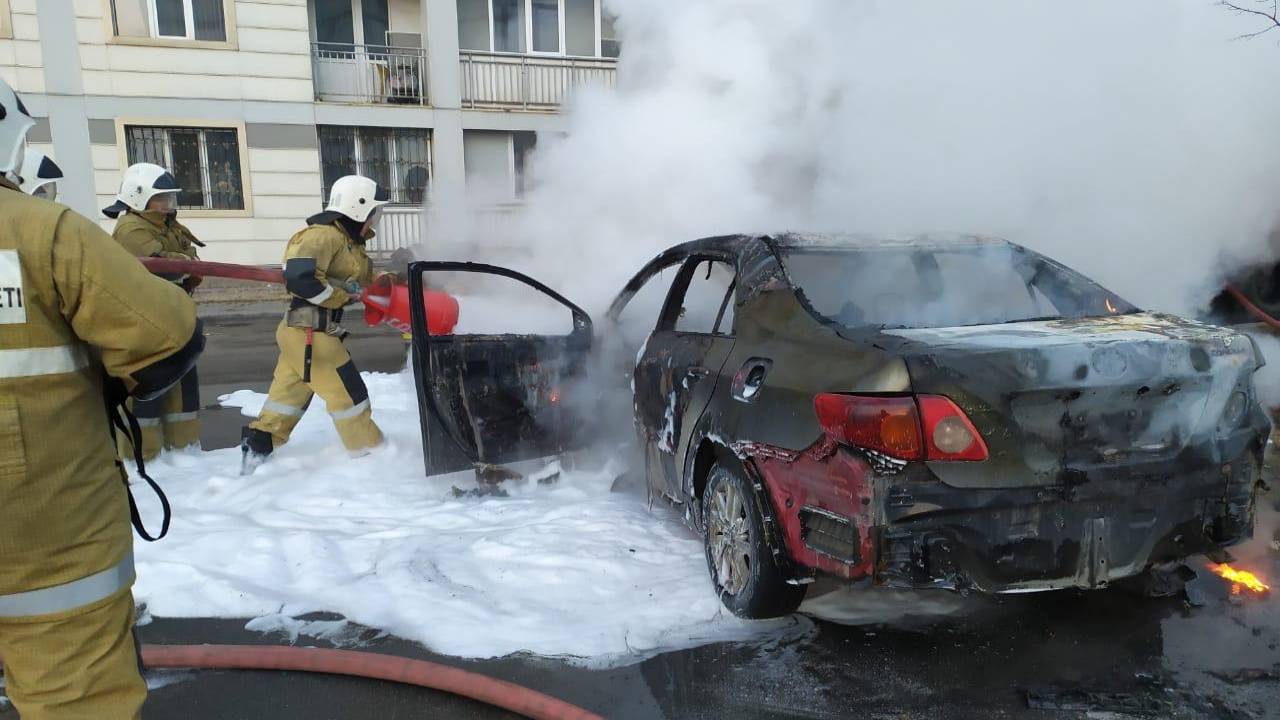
255	448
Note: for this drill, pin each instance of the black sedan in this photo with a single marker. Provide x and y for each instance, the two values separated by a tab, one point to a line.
955	412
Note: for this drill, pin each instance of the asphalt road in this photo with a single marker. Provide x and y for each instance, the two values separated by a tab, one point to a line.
1101	654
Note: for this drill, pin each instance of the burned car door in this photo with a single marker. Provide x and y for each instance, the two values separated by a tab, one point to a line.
486	397
681	364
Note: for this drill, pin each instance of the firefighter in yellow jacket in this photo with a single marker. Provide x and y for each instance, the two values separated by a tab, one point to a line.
147	226
80	321
325	268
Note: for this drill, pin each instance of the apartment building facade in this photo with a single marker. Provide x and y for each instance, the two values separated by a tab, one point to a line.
258	105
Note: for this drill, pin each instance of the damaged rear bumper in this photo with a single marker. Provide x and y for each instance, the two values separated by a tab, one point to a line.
840	515
1047	539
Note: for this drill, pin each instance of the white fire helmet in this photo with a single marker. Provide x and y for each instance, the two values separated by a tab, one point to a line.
356	197
141	182
15	122
40	175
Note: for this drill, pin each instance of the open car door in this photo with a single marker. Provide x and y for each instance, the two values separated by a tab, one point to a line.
491	398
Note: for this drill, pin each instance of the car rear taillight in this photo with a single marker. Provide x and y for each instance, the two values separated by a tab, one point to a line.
948	433
890	425
924	427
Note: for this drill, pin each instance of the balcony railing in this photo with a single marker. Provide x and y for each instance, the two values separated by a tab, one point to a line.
398	227
407	226
531	82
369	73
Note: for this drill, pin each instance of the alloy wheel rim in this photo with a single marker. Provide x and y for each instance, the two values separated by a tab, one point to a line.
728	538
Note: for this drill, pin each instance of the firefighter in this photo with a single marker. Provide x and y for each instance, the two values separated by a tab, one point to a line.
146	210
325	268
81	324
39	175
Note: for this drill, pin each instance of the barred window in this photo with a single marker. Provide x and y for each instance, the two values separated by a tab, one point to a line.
205	161
398	159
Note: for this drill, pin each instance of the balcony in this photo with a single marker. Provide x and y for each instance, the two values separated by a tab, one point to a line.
398	227
528	82
369	73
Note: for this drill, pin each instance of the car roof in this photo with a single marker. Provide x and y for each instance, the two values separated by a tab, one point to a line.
877	240
734	245
834	241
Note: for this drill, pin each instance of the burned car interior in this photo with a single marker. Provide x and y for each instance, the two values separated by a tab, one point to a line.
487	399
928	412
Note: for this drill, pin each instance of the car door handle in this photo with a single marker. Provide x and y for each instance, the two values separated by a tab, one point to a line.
699	371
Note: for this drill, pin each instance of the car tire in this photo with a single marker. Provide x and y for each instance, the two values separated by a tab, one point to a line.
745	572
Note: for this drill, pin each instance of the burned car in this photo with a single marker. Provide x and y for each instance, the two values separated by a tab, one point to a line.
927	412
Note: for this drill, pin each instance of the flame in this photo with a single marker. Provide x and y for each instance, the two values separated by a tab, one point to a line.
1111	308
1240	578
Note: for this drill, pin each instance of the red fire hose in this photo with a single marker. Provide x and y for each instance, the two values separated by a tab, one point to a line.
173	266
1253	309
498	693
385	302
374	666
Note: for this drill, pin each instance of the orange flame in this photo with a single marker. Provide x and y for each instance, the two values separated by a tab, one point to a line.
1240	578
1110	307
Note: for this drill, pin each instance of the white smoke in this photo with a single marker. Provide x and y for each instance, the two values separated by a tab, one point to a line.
1134	141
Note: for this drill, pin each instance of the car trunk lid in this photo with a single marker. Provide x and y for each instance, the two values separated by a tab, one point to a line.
1057	399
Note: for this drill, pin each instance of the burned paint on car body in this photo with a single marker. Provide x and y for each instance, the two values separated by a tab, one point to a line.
1107	439
1116	441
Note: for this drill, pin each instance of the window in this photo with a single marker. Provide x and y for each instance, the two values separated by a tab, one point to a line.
707	306
609	44
580	27
545	30
921	286
522	145
335	24
203	20
373	13
553	27
398	159
496	163
508	26
205	161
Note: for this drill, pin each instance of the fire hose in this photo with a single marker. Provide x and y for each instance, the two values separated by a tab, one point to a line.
1253	308
391	668
374	666
385	302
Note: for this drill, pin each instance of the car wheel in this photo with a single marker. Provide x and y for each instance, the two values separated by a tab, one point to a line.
743	568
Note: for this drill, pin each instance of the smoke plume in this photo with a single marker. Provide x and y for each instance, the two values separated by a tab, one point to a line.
1133	141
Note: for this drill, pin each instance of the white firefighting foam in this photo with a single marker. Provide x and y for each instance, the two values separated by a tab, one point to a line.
566	569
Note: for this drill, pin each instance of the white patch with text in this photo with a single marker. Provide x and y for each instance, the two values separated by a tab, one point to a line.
13	309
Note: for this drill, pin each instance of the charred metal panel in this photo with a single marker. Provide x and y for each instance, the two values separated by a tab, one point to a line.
806	358
1060	402
819	479
1011	539
493	399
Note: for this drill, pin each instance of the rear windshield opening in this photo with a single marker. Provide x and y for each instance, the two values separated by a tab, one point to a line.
920	287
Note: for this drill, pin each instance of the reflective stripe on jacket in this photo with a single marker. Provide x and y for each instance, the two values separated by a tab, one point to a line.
337	259
74	308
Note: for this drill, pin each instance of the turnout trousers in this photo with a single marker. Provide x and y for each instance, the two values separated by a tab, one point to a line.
170	422
334	378
76	665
